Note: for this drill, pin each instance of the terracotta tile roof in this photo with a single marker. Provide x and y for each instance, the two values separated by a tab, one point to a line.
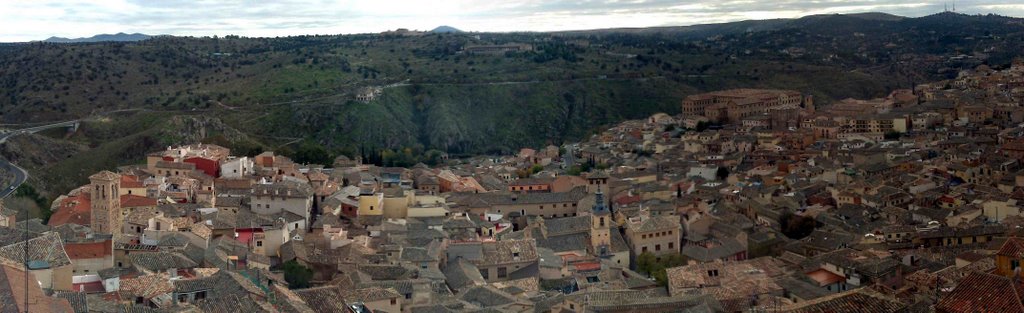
860	300
48	247
161	261
322	299
105	175
983	292
133	201
369	294
89	250
1013	247
13	293
73	210
146	286
824	277
76	299
131	181
654	223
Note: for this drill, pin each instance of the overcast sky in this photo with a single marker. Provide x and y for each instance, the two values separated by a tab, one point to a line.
25	20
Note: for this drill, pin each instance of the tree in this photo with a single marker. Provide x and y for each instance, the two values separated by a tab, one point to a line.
701	126
311	153
655	267
536	169
722	173
796	226
296	275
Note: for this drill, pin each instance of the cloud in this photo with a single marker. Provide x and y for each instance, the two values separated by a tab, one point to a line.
39	19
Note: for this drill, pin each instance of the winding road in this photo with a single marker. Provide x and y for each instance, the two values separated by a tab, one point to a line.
20	175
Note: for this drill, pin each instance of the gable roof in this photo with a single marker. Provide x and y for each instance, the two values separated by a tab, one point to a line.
983	292
855	301
48	247
1013	247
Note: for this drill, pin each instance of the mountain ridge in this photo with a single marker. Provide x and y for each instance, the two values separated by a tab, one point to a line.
118	37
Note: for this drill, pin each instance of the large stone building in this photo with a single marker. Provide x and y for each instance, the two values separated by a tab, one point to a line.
659	235
736	104
180	160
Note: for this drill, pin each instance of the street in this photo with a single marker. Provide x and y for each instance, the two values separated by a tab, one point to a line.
20	175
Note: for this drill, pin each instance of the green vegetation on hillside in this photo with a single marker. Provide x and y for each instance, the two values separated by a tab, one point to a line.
296	95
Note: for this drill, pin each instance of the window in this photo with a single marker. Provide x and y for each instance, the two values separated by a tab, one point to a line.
502	272
182	298
671	245
657	247
712	273
483	272
394	301
643	249
408	296
138	300
1014	264
259	243
201	295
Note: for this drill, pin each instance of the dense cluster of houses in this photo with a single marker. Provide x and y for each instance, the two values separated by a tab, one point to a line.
906	203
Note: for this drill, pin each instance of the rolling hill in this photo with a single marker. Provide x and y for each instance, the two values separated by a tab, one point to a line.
288	93
100	38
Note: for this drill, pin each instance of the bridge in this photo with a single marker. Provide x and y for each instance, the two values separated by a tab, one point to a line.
20	175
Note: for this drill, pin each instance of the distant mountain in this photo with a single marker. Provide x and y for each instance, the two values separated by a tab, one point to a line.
445	29
101	37
718	29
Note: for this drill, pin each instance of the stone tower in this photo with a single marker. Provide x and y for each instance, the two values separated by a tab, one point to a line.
809	104
106	202
600	226
597	182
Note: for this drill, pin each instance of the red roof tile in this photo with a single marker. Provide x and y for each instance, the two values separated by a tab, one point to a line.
1013	247
130	181
983	292
73	210
824	277
132	201
90	287
88	250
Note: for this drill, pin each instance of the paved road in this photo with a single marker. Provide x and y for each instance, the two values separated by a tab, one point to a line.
20	175
570	155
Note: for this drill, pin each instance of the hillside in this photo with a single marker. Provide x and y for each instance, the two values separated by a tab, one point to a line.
101	38
294	92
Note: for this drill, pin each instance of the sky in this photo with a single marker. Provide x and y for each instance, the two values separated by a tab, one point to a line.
27	20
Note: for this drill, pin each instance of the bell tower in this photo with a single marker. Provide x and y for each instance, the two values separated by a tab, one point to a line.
600	226
106	202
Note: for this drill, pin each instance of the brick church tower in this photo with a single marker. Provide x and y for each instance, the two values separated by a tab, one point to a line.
106	202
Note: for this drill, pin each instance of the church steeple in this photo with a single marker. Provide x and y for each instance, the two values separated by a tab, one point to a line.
600	207
600	226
